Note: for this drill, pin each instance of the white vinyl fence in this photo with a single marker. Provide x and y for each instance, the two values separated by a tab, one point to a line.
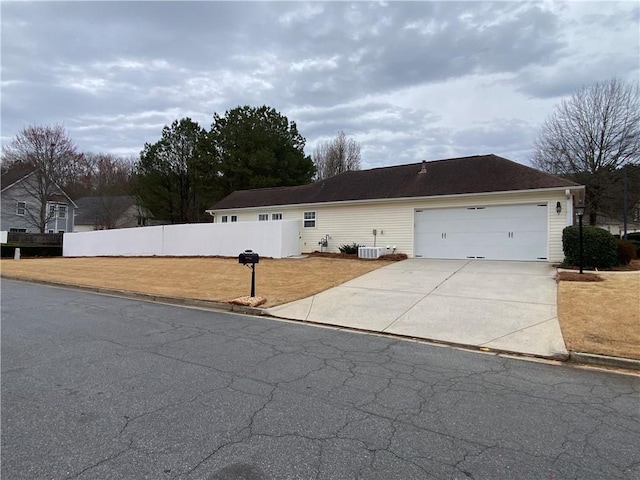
277	239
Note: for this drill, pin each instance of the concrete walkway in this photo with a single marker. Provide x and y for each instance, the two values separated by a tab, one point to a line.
500	305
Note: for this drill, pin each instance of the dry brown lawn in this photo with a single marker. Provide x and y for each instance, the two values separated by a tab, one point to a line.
202	278
601	317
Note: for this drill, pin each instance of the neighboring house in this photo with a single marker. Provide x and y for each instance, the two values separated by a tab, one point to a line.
472	207
20	207
615	226
105	213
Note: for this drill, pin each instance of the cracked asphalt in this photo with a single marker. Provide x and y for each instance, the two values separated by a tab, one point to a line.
99	387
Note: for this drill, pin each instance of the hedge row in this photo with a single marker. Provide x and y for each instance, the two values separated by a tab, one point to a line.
30	251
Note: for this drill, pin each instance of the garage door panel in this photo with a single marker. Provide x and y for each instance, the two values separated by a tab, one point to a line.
507	232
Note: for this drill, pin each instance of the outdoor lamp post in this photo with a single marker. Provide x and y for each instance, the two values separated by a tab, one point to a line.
580	213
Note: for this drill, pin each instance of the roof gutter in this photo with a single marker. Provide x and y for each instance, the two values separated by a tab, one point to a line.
576	188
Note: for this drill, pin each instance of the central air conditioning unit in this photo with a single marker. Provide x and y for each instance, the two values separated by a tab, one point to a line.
371	252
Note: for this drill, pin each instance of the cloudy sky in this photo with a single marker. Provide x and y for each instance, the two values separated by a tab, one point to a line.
407	80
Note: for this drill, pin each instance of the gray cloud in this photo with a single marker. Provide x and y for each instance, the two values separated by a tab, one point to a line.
408	80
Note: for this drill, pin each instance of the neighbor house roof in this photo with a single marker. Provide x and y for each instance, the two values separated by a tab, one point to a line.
14	174
455	176
94	209
17	173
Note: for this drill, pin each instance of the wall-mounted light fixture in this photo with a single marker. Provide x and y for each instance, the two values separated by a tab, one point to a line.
558	208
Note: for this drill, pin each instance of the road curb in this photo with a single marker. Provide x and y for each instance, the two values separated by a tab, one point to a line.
603	360
577	358
149	297
558	357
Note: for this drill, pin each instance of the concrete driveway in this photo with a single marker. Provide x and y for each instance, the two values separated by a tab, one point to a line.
500	305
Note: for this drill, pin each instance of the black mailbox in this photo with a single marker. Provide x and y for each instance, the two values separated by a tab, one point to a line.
248	258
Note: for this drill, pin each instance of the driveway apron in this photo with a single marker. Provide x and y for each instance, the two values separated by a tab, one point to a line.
499	305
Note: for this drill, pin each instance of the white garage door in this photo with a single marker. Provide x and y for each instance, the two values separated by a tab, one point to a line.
505	232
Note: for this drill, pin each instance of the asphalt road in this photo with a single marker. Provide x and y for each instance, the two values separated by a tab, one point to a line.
98	387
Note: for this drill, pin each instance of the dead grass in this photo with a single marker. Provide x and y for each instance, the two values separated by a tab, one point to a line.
202	278
595	316
601	317
578	277
633	265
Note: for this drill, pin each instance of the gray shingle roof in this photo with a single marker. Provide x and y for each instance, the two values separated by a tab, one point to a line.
92	210
13	174
455	176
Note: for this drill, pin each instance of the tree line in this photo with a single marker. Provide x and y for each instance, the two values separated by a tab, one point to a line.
189	168
593	138
52	161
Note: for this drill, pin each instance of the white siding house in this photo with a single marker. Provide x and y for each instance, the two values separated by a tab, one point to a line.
471	207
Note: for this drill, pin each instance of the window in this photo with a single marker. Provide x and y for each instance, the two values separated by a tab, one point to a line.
276	216
50	231
57	210
224	219
263	217
18	230
234	218
309	219
21	208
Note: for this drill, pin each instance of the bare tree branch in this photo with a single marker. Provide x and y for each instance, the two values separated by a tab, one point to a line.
51	156
590	136
335	156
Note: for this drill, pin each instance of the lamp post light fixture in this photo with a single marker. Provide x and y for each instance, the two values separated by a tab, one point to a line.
580	213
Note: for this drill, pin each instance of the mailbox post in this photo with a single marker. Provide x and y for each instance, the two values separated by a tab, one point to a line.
249	258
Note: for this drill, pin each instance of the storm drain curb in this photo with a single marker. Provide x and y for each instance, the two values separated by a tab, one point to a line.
603	360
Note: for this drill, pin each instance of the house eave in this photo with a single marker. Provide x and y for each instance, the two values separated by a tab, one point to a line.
576	188
21	179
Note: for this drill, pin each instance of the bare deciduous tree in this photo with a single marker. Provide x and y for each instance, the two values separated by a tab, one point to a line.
335	156
51	157
590	136
111	175
102	174
109	182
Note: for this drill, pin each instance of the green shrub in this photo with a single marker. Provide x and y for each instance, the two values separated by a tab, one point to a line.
350	249
599	247
626	252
